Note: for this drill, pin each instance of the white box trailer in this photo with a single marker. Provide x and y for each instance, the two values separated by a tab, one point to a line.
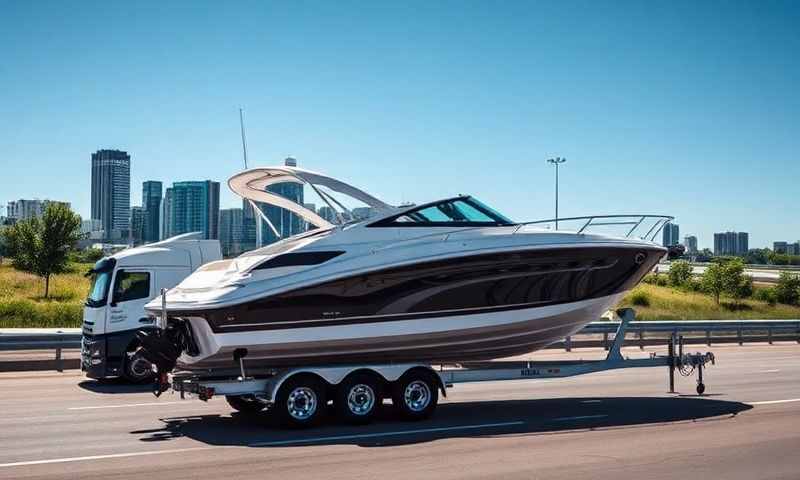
121	286
299	395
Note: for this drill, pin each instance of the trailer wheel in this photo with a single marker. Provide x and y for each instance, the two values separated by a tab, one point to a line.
136	368
244	404
358	398
415	394
301	401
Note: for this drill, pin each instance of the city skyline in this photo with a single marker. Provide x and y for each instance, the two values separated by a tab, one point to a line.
423	102
236	220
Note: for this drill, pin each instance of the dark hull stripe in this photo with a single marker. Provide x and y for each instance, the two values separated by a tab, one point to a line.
465	286
380	318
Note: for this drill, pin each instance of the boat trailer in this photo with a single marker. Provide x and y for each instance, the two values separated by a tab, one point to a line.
264	384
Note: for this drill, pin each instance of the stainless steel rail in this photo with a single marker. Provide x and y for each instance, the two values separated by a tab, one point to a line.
656	223
639	334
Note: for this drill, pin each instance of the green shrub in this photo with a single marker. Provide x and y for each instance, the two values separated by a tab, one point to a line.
24	313
767	295
656	279
788	288
640	299
693	285
679	273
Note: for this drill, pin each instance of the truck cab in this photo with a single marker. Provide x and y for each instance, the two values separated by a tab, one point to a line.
121	286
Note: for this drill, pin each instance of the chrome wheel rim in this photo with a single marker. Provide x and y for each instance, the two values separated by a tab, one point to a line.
139	367
417	395
302	403
360	399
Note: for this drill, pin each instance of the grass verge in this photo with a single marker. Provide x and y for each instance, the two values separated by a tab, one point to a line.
22	303
667	303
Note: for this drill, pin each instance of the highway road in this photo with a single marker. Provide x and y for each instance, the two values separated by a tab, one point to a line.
609	425
763	275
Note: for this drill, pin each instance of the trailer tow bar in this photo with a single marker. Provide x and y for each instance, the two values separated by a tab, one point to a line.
686	363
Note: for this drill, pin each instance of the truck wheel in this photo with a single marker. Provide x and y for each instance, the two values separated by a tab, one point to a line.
244	404
301	402
415	394
358	398
136	368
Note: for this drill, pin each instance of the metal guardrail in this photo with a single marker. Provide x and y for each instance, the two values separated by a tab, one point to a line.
710	331
57	341
639	334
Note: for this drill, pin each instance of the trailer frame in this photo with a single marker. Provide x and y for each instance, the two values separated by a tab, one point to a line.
263	386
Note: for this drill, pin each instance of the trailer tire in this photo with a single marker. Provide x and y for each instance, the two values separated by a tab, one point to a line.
301	401
358	398
415	394
244	404
701	388
136	368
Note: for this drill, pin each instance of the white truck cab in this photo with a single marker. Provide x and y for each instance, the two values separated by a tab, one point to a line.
121	286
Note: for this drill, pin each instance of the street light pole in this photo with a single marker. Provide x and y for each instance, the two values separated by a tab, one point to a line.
556	161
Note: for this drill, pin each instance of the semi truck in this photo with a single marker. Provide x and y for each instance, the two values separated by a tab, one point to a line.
121	286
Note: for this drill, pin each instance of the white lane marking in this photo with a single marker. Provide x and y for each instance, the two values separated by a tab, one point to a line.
580	417
102	457
775	402
769	371
384	434
150	404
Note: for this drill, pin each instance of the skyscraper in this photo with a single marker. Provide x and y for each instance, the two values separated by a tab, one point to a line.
24	209
327	213
137	226
731	243
248	226
151	203
192	207
111	192
231	222
671	234
690	242
742	243
284	221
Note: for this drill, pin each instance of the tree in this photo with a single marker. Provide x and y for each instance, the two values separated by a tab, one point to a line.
4	249
788	288
40	245
737	284
759	256
714	280
679	273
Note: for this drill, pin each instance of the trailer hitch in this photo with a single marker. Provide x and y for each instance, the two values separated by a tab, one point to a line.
161	384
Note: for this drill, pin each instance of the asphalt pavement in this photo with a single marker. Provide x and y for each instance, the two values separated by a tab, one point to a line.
609	425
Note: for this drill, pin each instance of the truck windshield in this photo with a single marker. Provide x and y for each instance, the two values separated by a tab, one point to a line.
101	280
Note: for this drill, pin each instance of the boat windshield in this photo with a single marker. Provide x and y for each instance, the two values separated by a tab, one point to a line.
463	211
101	280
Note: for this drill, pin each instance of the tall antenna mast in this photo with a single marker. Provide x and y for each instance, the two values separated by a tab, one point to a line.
244	139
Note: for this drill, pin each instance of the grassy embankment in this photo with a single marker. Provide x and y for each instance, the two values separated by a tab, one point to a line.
22	303
667	303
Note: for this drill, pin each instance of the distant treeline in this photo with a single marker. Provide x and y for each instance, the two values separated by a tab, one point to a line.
756	256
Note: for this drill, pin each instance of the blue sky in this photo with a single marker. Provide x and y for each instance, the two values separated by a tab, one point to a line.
683	108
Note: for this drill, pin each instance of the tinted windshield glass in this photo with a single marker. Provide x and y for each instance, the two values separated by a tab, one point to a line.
101	280
131	286
99	289
462	211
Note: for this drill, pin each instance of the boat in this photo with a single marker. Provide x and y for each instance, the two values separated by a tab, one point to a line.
448	281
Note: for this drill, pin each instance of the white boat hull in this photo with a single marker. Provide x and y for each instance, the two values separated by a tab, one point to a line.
476	336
